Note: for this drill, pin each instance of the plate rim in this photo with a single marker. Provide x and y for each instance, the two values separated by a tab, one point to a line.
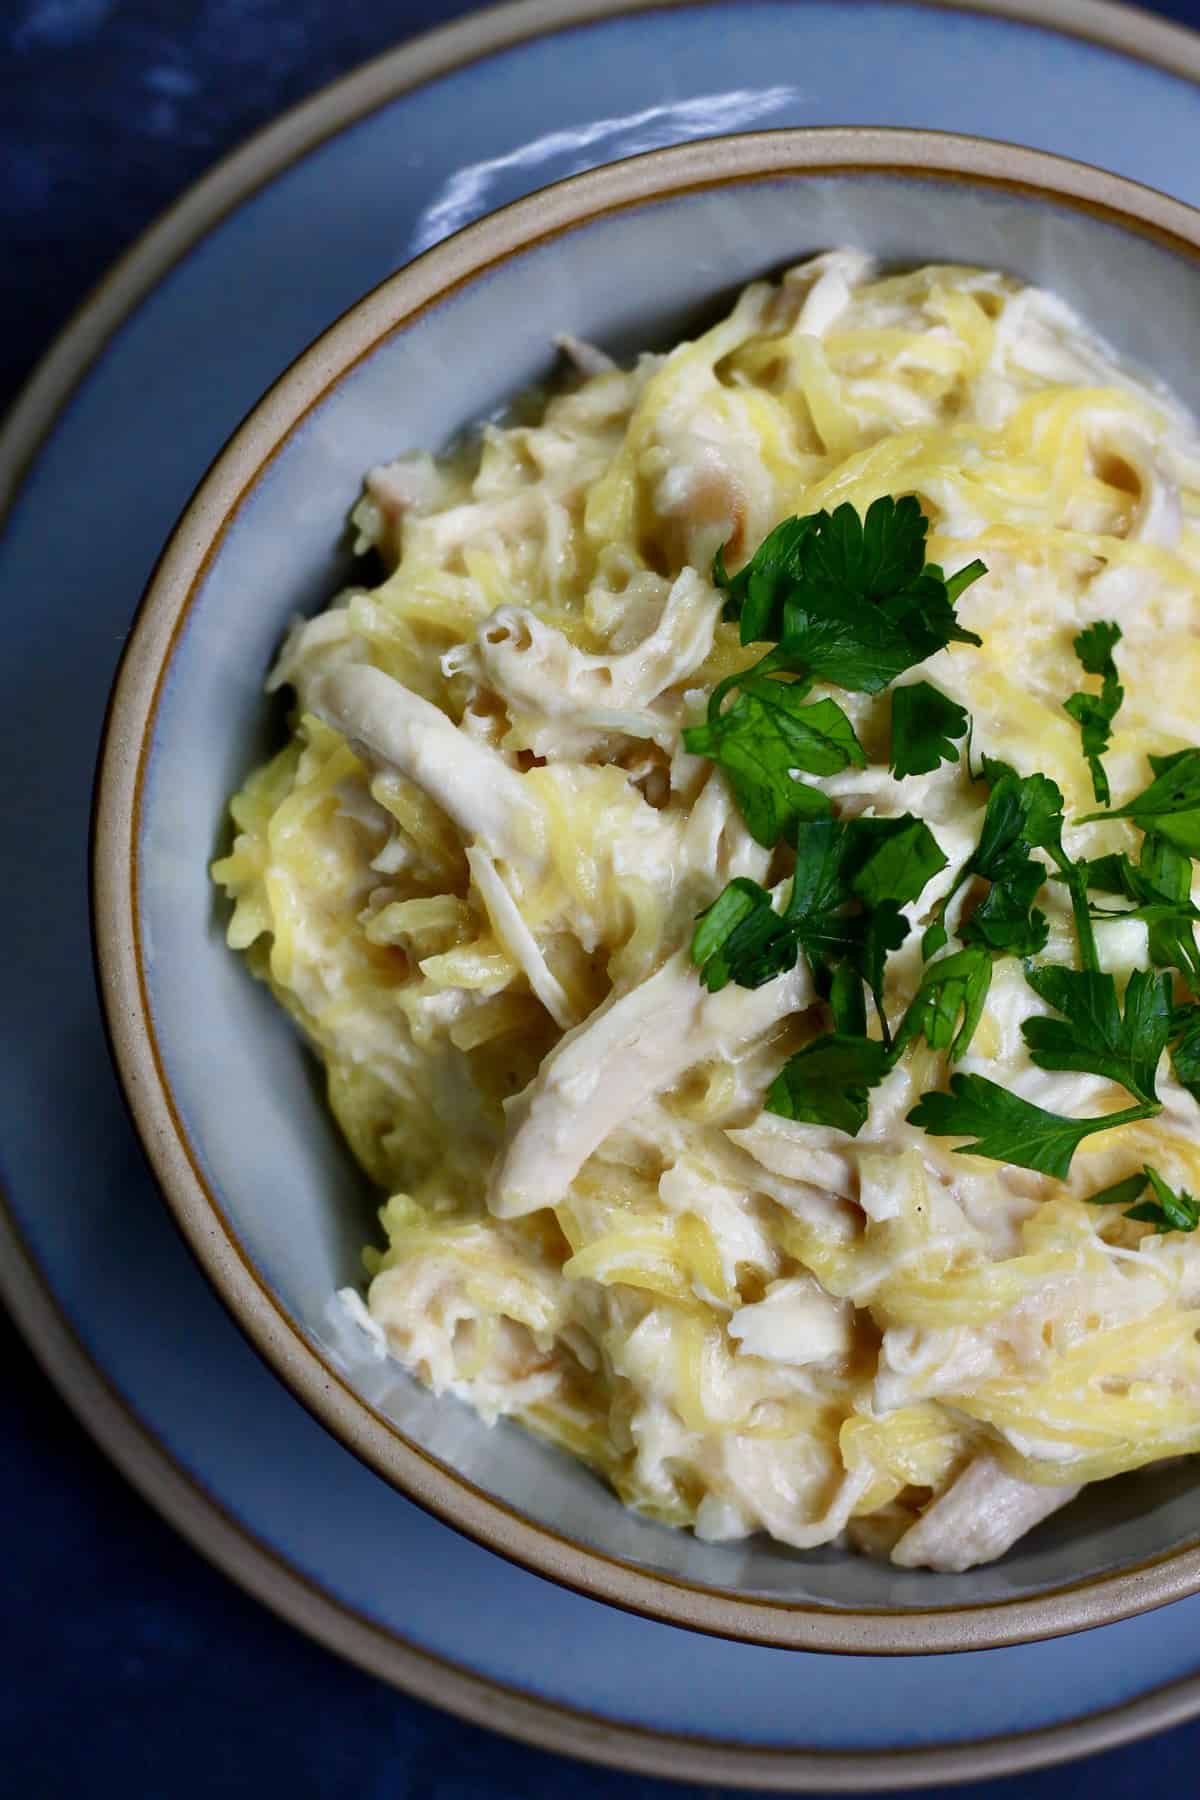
1139	36
1128	30
263	1573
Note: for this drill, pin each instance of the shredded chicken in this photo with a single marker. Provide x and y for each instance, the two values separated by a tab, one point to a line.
534	667
977	1519
631	1048
394	727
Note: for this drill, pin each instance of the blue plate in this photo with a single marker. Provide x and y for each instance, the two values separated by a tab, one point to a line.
387	163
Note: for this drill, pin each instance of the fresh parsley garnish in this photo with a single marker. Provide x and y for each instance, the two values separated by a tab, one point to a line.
1167	1211
889	859
765	736
1023	813
1160	886
828	1082
1122	1193
924	724
846	1001
1094	1035
847	600
851	601
1185	1047
884	929
741	938
844	600
1170	806
949	1003
851	879
1008	1129
1094	713
820	892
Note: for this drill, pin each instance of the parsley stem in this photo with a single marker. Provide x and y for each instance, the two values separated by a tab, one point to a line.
1145	1109
1076	880
959	583
717	697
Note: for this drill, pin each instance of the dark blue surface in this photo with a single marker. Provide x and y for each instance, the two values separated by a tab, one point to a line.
125	1658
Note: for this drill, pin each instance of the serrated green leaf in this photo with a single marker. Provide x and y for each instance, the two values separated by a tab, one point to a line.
949	1003
1007	1129
1168	1211
1094	713
924	724
847	599
741	938
890	859
828	1082
766	735
1095	1036
1170	806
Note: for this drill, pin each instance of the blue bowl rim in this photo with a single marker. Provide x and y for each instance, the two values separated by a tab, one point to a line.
115	869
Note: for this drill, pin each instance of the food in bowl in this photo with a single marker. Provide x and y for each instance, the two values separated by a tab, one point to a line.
722	873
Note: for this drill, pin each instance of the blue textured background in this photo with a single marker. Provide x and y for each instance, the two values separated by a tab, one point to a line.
124	1658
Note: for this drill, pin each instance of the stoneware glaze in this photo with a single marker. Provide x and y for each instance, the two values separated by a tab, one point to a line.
175	346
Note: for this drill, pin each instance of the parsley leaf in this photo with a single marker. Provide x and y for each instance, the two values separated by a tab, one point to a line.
827	1083
1168	1211
762	738
1122	1193
1008	1129
1023	813
837	551
890	859
846	1002
741	938
818	887
924	721
1160	885
849	883
1170	806
1185	1048
884	929
847	599
1094	713
864	647
754	596
953	986
876	556
881	863
1094	1036
1006	919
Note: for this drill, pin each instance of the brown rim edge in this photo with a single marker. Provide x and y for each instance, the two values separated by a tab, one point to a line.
1142	37
505	234
259	1569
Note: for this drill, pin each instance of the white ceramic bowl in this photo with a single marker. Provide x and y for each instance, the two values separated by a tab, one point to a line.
223	1093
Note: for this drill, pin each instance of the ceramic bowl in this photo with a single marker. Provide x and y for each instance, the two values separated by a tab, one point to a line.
221	1090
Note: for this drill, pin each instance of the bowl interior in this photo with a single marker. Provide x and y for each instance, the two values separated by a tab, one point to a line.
247	1094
